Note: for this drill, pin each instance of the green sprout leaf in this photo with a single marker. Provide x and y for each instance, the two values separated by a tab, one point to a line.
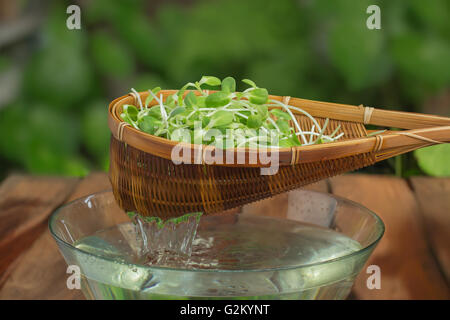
217	99
170	101
250	83
176	111
294	140
155	112
201	101
191	99
259	96
210	81
221	118
263	111
131	111
283	125
149	124
229	85
254	121
280	114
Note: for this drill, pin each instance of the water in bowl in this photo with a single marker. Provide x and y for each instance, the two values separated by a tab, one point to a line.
256	257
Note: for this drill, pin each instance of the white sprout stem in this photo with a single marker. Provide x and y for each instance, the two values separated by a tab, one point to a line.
330	139
322	131
300	110
175	124
218	109
135	125
163	110
253	138
313	129
293	119
261	146
142	113
242	115
338	136
138	96
191	114
314	134
311	133
233	110
248	106
199	89
335	131
154	96
375	133
306	114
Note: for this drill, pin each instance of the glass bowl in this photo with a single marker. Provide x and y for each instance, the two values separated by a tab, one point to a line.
106	276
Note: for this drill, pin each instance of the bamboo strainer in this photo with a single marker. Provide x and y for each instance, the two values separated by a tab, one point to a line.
145	180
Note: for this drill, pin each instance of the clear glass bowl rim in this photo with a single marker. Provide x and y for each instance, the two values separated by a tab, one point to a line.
368	247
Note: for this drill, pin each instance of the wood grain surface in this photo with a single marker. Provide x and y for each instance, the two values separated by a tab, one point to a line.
25	204
433	197
40	273
408	269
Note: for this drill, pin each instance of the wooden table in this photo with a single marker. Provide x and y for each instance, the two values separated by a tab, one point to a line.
414	254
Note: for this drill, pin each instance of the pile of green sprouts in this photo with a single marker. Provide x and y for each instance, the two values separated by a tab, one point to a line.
246	114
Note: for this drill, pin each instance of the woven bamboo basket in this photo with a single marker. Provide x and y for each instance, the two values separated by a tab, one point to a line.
145	179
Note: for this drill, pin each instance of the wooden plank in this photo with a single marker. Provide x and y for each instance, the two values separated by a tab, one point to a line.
408	270
433	196
40	273
95	182
25	204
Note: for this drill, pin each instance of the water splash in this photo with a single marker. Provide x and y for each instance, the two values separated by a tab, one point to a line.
165	243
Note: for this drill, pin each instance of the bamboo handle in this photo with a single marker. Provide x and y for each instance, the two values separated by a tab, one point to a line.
379	117
406	120
414	139
409	139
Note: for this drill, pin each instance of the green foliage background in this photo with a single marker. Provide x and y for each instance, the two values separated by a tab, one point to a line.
312	49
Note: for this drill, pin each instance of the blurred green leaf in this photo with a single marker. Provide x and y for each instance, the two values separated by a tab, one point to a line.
45	161
434	15
110	56
357	52
95	131
4	62
59	76
56	34
136	31
41	139
13	129
240	34
145	81
423	58
59	73
434	160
